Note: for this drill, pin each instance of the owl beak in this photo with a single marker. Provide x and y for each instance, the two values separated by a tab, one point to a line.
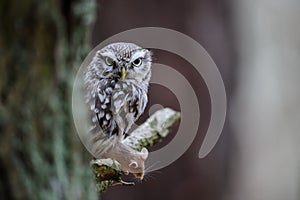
123	73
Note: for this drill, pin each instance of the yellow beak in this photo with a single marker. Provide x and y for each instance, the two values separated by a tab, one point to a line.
123	73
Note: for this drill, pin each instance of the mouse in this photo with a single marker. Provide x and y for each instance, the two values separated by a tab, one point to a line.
131	160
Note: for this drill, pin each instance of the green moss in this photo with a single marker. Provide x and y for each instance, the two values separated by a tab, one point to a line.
107	173
154	123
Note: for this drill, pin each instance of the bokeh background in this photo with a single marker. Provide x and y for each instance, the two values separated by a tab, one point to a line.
256	46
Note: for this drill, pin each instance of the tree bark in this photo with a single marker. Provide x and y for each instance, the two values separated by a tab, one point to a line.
41	45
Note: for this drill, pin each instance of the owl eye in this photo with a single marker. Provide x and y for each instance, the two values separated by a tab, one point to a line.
137	62
109	61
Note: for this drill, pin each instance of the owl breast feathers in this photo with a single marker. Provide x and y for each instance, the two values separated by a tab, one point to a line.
116	83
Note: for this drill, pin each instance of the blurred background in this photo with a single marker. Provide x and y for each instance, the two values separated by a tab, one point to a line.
256	46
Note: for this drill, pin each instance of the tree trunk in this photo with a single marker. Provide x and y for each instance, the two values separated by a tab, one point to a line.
42	44
266	109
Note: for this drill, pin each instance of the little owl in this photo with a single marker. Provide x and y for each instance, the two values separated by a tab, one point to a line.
116	82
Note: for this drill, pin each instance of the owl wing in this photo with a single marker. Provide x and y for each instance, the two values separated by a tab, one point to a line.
102	108
136	106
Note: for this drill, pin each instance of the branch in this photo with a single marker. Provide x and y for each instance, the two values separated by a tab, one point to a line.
108	171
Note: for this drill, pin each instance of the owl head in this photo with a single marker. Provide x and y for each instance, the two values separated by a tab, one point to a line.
124	61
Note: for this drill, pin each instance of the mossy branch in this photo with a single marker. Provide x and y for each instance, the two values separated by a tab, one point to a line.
108	172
